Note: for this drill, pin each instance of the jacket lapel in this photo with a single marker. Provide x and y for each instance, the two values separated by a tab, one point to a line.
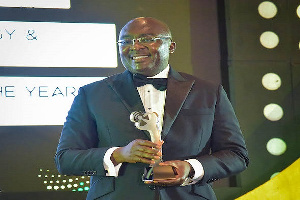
123	86
177	91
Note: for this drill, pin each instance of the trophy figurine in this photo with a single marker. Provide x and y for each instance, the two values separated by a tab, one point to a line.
150	122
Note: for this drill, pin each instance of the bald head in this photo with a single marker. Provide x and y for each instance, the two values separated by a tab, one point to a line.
147	25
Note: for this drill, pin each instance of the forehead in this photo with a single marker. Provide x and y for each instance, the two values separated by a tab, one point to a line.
144	27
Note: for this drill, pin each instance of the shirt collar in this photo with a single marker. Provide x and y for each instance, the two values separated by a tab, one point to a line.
163	74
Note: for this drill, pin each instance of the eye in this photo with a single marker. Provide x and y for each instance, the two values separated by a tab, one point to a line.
125	42
147	40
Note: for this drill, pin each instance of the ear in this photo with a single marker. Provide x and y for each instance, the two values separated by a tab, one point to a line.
172	47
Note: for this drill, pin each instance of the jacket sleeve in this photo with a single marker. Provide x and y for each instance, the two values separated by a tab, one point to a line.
77	152
228	155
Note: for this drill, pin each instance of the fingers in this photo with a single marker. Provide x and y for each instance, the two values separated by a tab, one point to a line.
146	155
149	143
138	150
147	152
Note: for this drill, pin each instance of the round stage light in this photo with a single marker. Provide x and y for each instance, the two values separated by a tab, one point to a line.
276	146
49	187
298	11
273	112
275	174
267	9
56	187
269	39
271	81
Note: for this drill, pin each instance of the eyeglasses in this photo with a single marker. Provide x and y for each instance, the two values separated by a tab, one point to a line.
142	41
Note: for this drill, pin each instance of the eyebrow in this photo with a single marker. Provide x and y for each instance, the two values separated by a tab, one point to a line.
142	35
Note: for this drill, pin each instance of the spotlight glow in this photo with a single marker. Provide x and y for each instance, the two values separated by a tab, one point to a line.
269	39
49	187
273	112
298	11
276	146
56	187
275	174
271	81
267	9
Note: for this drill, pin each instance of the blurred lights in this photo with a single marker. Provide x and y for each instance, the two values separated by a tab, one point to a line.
56	187
269	39
298	11
56	182
271	81
275	174
267	9
49	187
273	112
276	146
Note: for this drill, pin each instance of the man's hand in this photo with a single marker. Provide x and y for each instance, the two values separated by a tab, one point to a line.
138	150
182	168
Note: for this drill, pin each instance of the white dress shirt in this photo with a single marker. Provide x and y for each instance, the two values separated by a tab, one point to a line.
153	101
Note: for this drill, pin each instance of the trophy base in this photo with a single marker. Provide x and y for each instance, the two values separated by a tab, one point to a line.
157	173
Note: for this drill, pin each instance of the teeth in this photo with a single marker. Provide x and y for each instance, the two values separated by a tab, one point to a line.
139	57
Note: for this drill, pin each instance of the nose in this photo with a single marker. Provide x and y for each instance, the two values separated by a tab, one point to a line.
136	44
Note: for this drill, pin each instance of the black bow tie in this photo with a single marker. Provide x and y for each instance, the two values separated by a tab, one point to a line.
159	83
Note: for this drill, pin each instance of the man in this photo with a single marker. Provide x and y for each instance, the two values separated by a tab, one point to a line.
201	135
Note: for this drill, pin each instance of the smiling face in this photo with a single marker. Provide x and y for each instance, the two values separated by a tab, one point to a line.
146	58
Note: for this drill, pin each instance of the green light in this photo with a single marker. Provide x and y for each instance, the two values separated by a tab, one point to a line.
276	146
86	188
81	183
74	190
80	190
275	174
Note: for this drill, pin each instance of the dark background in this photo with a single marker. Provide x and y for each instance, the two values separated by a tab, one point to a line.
217	40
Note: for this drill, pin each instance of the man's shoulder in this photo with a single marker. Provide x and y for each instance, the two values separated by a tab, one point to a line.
101	83
198	82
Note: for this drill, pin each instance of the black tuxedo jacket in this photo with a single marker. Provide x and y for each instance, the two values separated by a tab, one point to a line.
199	123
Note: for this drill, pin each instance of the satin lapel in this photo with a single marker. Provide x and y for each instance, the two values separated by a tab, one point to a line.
177	91
123	86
